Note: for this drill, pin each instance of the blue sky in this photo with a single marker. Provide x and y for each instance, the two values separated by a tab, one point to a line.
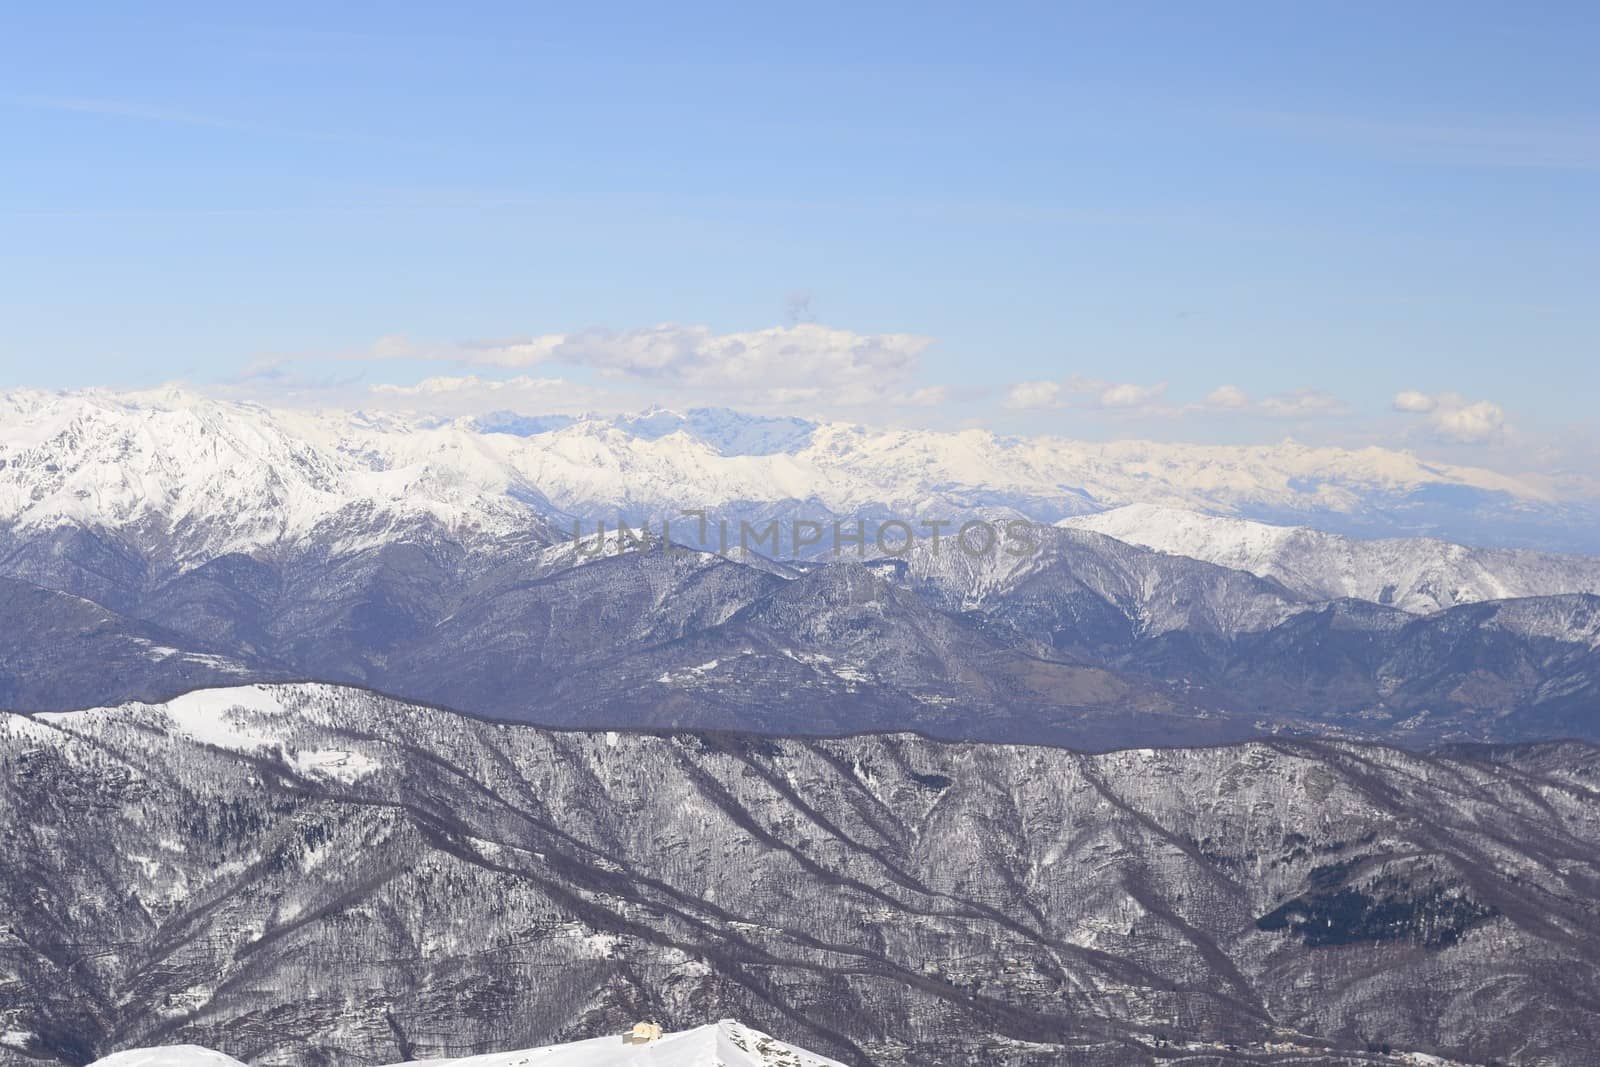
1085	219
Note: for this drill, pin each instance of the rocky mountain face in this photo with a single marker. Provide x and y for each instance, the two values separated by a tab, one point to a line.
313	875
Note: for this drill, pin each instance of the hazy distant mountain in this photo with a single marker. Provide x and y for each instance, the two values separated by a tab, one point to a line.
1415	574
304	874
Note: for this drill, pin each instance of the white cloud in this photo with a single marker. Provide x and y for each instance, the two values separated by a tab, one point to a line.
399	346
1228	396
474	395
1452	417
1413	402
927	397
804	353
803	365
1301	404
472	383
1125	398
1129	395
1081	392
1472	424
1028	396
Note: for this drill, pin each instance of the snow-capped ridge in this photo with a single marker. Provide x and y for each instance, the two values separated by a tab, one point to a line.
1415	574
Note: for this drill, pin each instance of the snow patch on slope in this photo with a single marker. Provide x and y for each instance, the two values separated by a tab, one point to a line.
168	1056
725	1044
248	719
337	764
227	718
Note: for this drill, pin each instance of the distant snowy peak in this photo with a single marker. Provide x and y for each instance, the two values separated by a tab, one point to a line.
517	425
1414	574
724	1044
727	432
209	478
730	433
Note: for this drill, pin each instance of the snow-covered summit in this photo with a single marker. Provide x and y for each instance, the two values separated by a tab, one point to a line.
723	1044
1415	574
168	1056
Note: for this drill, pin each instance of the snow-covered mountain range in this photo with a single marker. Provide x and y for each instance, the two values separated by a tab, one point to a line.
722	811
152	544
182	462
307	874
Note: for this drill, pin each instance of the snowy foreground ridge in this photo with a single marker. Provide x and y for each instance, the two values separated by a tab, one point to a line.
724	1044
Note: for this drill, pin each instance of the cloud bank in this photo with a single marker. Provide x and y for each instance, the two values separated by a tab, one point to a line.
1453	418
